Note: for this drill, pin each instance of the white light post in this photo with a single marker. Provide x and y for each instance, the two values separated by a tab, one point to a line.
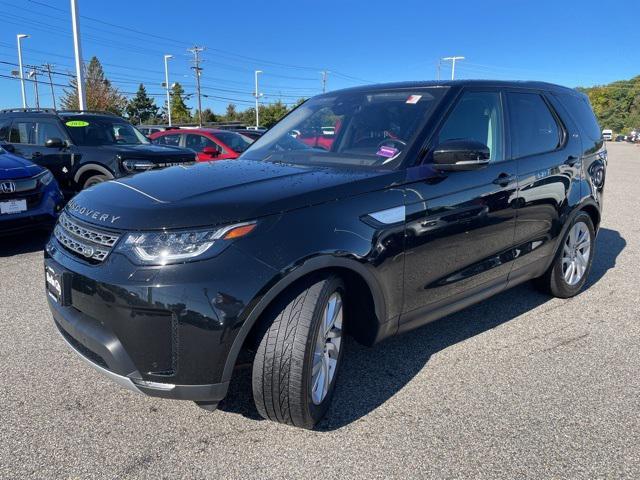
19	37
257	93
453	65
166	84
82	99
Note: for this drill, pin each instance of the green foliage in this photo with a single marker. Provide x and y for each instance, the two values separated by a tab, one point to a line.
101	95
179	111
142	108
616	105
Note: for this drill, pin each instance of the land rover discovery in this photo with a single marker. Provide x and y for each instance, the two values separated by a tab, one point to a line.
428	197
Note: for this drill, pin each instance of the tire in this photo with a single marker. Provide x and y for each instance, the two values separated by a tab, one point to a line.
283	368
94	180
555	281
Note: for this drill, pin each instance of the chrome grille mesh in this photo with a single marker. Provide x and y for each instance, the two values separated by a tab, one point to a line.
86	242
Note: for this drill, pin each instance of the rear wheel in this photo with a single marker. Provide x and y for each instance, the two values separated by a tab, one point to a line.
297	361
569	271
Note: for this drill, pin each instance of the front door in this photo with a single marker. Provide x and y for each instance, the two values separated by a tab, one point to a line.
460	225
29	135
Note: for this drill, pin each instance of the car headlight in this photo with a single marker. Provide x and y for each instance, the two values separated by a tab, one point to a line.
137	165
162	248
45	178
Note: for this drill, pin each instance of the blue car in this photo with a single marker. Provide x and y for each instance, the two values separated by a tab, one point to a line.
29	195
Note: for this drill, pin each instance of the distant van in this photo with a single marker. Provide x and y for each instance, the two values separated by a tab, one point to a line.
607	134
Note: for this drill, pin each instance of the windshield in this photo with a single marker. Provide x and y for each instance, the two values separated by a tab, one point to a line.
365	128
236	142
95	131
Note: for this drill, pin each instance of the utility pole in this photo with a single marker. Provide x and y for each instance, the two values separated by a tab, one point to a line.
453	65
324	73
53	93
19	37
166	84
34	74
82	98
196	67
257	95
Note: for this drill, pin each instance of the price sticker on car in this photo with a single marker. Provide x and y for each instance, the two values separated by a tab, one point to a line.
77	123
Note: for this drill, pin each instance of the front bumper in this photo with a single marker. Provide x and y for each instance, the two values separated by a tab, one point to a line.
163	331
41	215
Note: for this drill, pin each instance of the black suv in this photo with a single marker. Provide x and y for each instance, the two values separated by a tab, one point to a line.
82	148
428	197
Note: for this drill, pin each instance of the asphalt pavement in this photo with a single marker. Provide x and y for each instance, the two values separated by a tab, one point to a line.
519	386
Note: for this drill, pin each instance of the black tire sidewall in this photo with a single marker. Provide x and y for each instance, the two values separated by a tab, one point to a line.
559	286
317	412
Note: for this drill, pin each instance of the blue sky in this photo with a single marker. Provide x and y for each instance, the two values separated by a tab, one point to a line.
568	42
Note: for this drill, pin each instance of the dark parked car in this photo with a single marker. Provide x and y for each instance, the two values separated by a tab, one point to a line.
29	195
432	196
82	149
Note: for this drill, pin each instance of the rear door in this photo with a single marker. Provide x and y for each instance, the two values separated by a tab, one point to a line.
29	135
460	225
547	149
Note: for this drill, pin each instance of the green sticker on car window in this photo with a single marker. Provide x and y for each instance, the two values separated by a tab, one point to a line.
77	123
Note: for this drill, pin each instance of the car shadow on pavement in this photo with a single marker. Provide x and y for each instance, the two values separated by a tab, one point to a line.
23	243
371	376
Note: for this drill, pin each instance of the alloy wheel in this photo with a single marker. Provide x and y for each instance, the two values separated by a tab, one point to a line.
327	348
575	253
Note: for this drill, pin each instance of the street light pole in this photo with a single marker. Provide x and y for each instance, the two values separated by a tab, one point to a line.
82	98
19	37
257	96
166	84
453	65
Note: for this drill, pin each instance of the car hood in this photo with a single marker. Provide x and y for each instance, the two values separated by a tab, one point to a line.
12	166
220	192
150	151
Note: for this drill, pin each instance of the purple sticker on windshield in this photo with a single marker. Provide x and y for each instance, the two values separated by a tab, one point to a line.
387	152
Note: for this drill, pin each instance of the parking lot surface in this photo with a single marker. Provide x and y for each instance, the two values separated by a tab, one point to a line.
520	386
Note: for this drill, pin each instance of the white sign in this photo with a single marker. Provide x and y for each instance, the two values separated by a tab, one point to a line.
13	206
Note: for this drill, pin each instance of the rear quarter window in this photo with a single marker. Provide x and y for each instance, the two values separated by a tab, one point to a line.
580	110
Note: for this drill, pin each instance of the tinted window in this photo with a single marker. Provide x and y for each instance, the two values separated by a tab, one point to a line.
234	141
533	127
477	116
173	140
22	131
92	131
582	113
5	129
47	130
198	142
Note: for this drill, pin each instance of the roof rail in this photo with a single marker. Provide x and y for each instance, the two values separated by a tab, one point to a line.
27	110
99	112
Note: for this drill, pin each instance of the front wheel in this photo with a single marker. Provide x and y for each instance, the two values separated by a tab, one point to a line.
569	271
297	361
94	180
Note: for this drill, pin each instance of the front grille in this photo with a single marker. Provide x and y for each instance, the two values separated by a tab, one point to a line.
33	198
87	242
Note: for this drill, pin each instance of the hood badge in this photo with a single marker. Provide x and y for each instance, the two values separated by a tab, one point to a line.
90	213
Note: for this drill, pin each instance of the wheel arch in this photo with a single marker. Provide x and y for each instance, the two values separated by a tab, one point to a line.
369	317
90	168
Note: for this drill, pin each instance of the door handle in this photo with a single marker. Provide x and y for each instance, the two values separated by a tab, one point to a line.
504	179
571	160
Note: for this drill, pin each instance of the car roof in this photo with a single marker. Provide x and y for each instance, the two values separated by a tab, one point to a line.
36	112
534	85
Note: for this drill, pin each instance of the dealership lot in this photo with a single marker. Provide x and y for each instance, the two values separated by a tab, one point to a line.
519	386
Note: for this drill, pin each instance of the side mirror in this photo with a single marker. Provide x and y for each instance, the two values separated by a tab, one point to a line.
54	143
213	151
456	155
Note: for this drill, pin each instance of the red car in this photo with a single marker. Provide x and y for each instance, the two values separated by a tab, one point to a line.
209	144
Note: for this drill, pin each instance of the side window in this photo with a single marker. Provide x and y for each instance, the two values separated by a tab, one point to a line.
580	110
477	116
45	131
172	140
5	129
22	131
198	142
533	128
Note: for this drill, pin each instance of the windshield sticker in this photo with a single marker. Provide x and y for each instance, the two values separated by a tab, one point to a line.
77	123
413	99
387	152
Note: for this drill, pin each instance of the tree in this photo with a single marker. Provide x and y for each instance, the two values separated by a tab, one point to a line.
142	108
101	95
231	114
271	113
179	111
207	116
616	105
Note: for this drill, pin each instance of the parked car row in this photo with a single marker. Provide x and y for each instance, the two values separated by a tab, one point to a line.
48	156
